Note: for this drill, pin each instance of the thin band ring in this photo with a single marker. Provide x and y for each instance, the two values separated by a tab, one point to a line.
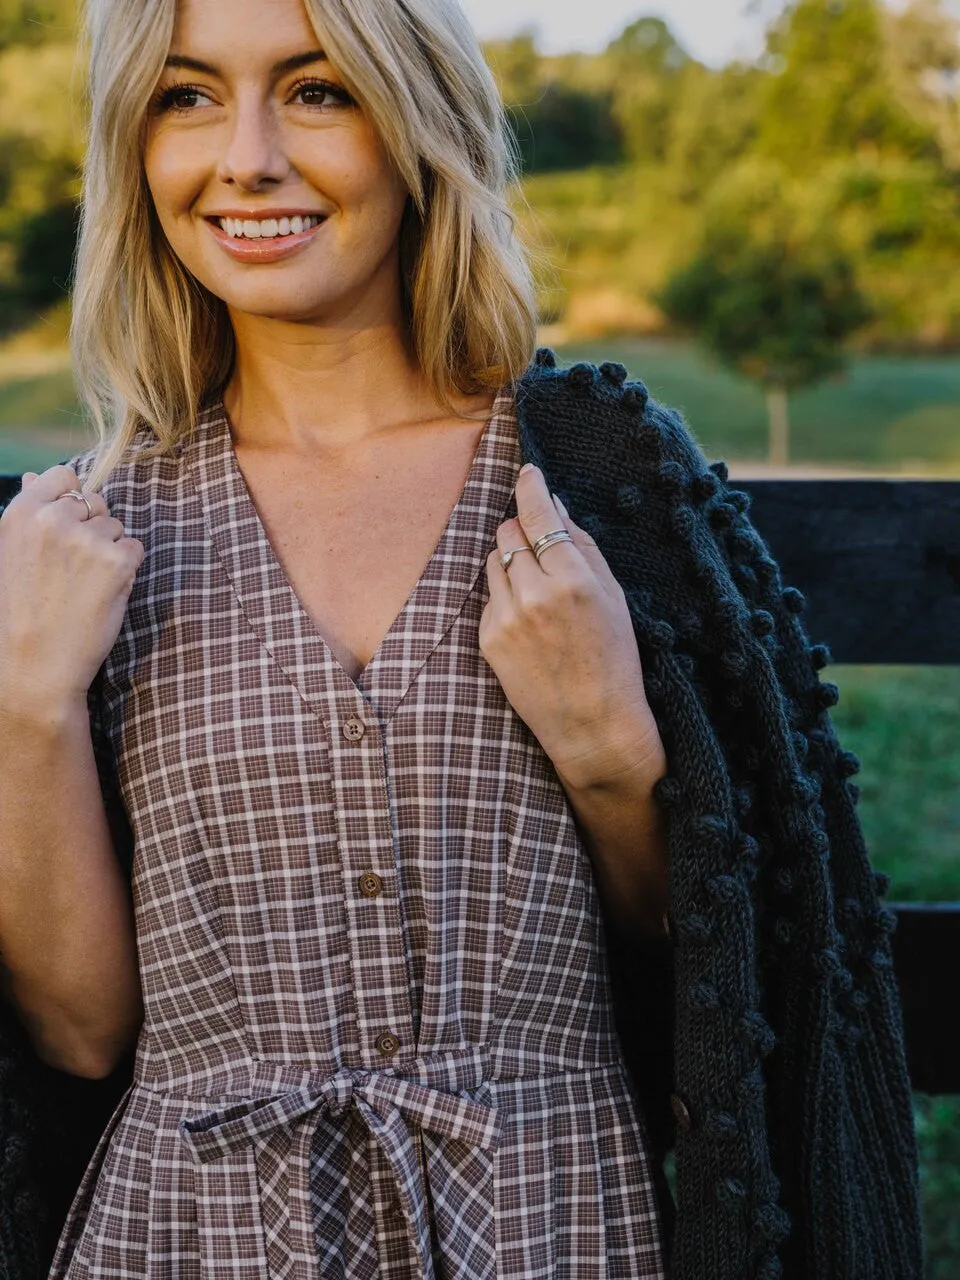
549	540
75	493
507	556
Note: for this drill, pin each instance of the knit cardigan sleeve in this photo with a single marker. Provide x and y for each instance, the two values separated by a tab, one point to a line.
797	1154
50	1121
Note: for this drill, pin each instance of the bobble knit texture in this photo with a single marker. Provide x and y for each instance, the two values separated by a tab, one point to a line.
787	1037
787	1045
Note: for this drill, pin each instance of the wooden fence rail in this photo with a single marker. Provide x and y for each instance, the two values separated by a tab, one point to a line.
879	562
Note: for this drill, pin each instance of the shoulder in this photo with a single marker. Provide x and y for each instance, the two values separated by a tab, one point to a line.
144	478
603	416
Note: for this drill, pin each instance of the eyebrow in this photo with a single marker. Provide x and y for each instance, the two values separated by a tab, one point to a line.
281	68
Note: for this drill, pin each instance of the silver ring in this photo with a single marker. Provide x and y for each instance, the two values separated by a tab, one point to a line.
507	556
549	540
75	493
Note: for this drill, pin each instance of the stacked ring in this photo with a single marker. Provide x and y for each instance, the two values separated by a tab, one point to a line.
549	540
507	556
81	497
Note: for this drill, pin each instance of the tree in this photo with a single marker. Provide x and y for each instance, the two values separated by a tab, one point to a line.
923	43
44	255
776	312
713	124
41	144
559	122
647	71
830	91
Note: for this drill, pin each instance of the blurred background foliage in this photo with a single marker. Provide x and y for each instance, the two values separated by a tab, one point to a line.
795	219
850	123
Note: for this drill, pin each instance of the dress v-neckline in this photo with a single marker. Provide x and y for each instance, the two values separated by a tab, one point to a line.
272	605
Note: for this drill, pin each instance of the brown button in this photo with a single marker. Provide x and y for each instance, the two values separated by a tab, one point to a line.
681	1113
387	1043
353	729
371	886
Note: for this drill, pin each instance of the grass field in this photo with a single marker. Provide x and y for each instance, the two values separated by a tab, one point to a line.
886	414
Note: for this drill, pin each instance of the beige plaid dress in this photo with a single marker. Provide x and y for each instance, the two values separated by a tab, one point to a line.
378	1040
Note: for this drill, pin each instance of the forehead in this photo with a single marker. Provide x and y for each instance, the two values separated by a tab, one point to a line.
228	31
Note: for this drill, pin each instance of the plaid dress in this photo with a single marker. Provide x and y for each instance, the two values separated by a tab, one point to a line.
378	1040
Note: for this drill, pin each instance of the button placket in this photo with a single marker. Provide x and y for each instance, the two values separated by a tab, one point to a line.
378	959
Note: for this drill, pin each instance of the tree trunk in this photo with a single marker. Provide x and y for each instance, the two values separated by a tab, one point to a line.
778	453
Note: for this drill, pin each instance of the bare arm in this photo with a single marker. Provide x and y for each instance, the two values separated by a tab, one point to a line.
557	633
66	927
625	833
66	931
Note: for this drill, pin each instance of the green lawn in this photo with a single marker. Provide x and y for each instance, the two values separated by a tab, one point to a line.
40	421
886	412
904	724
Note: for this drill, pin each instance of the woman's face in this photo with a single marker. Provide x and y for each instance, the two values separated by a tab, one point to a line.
268	181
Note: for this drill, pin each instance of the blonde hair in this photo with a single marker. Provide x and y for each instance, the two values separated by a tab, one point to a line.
151	343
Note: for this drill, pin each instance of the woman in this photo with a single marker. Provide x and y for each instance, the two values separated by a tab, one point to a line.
388	742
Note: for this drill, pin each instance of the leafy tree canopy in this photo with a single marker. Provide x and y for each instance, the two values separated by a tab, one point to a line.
829	91
775	311
649	69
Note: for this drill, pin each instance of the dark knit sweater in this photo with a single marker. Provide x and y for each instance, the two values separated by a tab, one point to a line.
795	1154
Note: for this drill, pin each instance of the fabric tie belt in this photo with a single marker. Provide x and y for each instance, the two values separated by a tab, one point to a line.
392	1107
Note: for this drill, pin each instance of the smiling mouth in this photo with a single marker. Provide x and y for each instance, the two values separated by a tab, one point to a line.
267	228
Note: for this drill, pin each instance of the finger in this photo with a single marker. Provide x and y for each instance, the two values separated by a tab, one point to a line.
539	516
27	478
57	481
523	567
498	584
585	544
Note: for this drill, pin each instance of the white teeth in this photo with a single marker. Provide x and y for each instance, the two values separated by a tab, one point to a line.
268	228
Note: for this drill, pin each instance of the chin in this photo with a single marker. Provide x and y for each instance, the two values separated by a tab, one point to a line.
270	302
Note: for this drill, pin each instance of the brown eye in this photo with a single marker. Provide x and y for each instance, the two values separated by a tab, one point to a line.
321	93
180	97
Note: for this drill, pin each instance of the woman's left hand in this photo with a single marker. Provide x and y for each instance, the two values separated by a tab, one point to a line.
559	638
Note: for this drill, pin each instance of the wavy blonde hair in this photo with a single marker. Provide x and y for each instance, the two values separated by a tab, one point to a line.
151	343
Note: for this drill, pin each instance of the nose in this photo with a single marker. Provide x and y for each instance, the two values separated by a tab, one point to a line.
254	155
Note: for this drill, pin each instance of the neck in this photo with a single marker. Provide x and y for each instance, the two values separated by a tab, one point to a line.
300	388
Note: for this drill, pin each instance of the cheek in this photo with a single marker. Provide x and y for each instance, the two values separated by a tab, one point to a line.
366	179
173	174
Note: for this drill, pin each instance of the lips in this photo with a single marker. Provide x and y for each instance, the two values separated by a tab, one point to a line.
264	248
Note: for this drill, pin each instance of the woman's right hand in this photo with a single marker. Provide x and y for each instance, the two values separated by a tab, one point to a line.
65	578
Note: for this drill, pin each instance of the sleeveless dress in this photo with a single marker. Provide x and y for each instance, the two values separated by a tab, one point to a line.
378	1040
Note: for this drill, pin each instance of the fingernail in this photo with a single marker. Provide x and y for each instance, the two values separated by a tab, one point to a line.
527	466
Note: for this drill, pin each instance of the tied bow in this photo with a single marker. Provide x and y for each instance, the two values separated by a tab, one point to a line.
391	1107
